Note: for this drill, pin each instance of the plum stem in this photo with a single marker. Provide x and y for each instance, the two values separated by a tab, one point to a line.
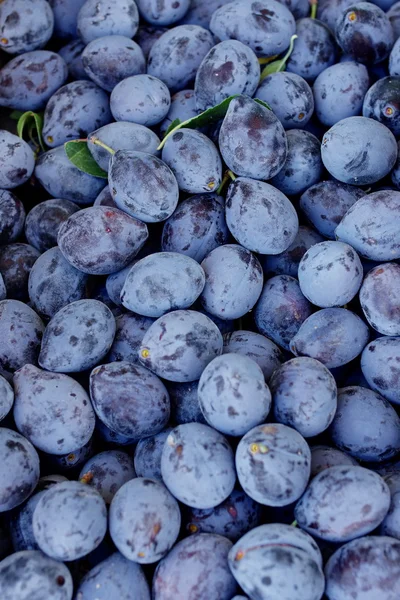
314	6
101	144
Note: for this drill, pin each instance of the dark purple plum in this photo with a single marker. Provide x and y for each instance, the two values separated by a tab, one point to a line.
324	457
380	364
287	262
148	452
257	347
44	221
16	261
107	472
128	337
382	103
314	49
12	217
185	407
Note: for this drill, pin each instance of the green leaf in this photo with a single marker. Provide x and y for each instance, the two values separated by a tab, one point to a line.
34	122
16	115
264	104
78	153
209	116
278	65
174	124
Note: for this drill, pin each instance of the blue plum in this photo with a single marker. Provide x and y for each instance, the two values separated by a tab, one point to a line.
287	262
380	364
72	54
17	160
44	221
381	103
107	472
314	49
12	217
257	347
98	18
185	407
16	261
379	298
65	14
391	523
167	12
324	457
148	452
197	465
183	107
25	25
130	330
6	397
142	99
19	469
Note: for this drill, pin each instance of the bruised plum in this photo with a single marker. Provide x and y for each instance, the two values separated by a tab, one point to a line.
144	501
260	217
366	426
334	336
252	140
129	399
233	395
21	332
281	309
196	227
50	425
197	465
234	281
273	464
77	337
364	569
358	502
16	261
179	345
101	240
379	298
229	68
143	186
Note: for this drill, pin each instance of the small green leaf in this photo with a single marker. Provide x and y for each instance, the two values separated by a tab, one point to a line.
278	65
174	124
16	115
34	122
78	153
264	104
209	116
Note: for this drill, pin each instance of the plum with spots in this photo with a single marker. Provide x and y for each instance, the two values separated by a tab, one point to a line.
130	330
114	579
325	204
359	150
303	166
44	221
379	295
359	500
281	310
115	283
252	140
229	68
194	160
289	96
314	49
65	18
196	227
17	160
164	13
237	515
380	364
26	574
143	186
329	10
278	561
370	225
196	567
101	240
200	12
61	179
304	395
65	117
381	103
98	18
330	274
77	337
394	17
364	32
141	99
394	59
260	217
146	36
25	25
121	135
324	457
107	472
21	331
72	54
12	217
28	81
287	262
19	469
148	452
177	54
53	426
53	283
233	395
234	281
16	262
273	464
145	520
6	397
183	107
365	426
391	523
265	26
339	92
69	521
179	345
197	465
364	569
105	198
334	336
112	58
129	399
162	282
257	347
